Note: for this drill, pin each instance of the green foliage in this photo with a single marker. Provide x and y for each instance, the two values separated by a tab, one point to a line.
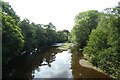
7	9
51	35
12	39
101	32
40	36
85	22
29	34
62	36
19	36
103	45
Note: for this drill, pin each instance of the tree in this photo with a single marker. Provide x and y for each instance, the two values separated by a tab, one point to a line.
19	36
12	39
7	9
29	34
85	22
103	45
40	36
50	26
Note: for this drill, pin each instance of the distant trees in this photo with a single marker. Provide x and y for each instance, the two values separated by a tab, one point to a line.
19	36
29	34
62	36
40	36
100	38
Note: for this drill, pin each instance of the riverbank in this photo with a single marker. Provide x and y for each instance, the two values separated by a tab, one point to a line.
85	62
65	46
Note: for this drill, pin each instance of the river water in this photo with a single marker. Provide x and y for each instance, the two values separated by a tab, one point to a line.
50	63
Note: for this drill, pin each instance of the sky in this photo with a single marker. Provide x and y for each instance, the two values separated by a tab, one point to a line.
60	12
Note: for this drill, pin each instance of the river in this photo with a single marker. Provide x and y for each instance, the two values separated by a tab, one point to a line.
50	63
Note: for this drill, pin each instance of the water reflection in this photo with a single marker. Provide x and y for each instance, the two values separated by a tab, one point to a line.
24	66
50	63
78	71
60	68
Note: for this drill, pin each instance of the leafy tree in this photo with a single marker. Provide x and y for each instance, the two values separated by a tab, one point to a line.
85	22
66	31
62	36
12	39
40	36
67	34
50	33
29	34
7	9
103	45
50	26
19	36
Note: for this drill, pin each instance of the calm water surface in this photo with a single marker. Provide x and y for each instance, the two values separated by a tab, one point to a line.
50	63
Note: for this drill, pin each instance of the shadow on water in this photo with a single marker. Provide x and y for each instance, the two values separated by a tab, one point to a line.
23	66
84	73
51	63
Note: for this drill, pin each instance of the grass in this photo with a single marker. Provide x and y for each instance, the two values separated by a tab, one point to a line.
65	46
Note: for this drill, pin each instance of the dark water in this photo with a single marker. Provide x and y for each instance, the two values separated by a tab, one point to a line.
50	63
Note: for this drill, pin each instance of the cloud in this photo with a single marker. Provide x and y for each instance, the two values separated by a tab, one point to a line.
60	12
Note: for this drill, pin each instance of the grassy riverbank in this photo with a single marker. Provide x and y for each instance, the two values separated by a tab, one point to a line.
65	46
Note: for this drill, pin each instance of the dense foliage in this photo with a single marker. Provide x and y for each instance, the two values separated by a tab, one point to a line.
84	23
22	36
103	41
13	40
103	45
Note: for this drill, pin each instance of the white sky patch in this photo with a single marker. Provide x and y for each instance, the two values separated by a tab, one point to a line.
60	12
60	68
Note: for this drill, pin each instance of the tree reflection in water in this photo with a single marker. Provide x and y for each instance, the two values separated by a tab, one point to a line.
24	66
51	63
78	71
